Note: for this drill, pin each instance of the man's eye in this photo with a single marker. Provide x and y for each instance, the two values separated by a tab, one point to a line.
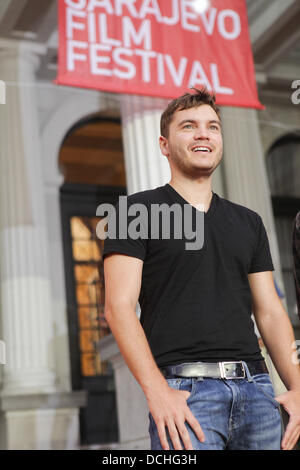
187	126
214	127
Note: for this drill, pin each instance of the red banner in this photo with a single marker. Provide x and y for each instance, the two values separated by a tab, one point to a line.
158	48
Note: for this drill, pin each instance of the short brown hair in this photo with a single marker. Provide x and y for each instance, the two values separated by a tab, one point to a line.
187	101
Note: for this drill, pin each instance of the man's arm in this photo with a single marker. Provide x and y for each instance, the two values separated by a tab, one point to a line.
278	336
168	406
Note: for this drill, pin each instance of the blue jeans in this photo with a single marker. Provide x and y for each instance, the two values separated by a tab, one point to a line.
239	414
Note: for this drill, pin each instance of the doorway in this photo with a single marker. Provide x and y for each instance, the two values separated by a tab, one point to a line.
91	160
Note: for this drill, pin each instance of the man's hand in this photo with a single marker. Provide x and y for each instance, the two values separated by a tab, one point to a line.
291	403
170	410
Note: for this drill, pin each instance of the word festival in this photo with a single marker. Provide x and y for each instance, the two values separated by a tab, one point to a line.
126	49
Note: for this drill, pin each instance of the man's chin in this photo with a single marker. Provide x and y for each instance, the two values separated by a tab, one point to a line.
198	169
196	174
206	169
203	170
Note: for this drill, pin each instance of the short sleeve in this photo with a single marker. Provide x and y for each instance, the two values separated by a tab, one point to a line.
125	243
262	259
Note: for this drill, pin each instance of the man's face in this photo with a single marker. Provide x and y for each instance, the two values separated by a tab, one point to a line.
194	145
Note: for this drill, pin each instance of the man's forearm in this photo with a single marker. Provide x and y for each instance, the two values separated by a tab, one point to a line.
278	336
134	347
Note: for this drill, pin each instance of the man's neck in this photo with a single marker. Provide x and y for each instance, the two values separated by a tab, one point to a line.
194	192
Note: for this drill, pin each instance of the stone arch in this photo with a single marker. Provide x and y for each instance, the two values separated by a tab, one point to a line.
71	110
277	134
283	164
92	153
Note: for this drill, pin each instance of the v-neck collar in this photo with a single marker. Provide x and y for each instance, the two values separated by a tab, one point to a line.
213	202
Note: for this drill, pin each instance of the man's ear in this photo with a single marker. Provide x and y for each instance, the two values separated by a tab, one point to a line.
164	146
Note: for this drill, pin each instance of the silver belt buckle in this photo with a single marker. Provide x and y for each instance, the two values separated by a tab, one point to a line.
223	373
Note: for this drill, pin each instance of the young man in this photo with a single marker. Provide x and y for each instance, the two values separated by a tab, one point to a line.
194	351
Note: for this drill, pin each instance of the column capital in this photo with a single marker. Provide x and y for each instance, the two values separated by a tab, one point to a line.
16	49
134	105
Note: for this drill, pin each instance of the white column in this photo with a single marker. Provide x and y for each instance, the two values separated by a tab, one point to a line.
247	183
245	172
146	167
25	288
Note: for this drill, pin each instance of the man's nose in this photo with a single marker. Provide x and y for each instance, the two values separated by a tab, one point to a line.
201	132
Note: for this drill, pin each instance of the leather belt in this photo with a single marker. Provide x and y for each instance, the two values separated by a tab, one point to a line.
218	370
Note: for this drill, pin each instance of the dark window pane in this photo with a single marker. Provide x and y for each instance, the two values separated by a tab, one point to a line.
79	230
82	250
88	338
88	317
91	365
88	273
86	294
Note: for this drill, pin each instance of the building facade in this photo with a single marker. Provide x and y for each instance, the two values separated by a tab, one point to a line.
63	151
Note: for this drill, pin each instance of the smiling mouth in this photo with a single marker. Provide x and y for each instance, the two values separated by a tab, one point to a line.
200	148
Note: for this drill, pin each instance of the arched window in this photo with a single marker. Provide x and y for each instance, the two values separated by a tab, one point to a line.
283	166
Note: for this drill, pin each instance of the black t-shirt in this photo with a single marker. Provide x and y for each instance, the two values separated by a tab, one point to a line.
196	303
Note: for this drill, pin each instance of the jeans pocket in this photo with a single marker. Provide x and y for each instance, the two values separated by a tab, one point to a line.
174	383
263	384
187	385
